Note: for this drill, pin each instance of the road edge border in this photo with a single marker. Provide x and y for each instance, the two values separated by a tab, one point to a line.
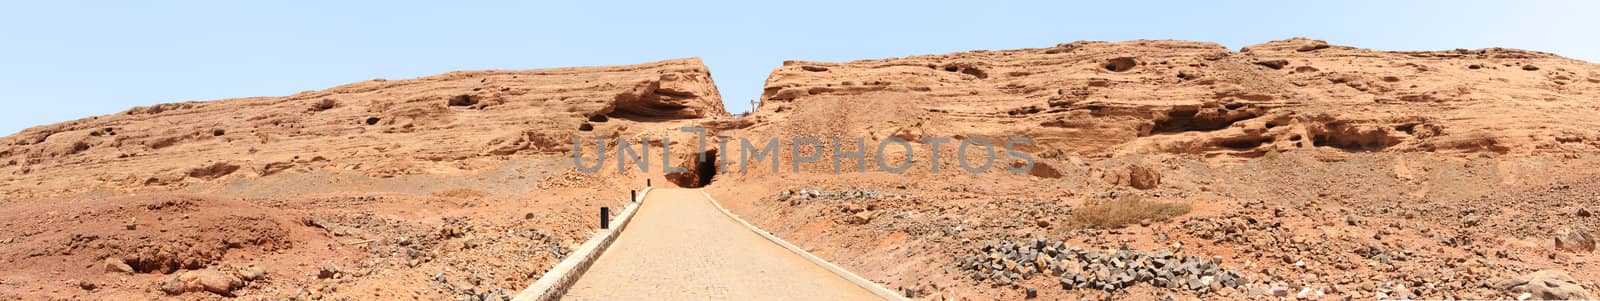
873	287
560	278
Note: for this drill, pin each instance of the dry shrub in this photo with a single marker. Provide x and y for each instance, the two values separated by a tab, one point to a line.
1124	211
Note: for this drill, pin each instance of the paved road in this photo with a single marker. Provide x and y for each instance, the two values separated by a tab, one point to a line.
680	247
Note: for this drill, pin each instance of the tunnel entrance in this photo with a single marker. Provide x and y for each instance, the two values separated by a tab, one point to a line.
706	169
699	174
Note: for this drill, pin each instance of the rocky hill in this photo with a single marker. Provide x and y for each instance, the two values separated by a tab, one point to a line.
450	186
1142	97
1291	168
379	128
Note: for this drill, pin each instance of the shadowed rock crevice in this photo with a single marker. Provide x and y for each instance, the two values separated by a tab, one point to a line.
1202	118
1121	64
699	173
672	96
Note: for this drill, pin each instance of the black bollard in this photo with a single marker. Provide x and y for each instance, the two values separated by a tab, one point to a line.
633	196
605	218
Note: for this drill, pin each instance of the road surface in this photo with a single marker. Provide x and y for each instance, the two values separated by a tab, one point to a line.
681	247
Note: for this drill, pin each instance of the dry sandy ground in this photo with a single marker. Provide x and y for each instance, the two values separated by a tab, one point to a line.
1462	229
401	238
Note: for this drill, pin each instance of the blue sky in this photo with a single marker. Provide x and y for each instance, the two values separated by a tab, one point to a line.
64	60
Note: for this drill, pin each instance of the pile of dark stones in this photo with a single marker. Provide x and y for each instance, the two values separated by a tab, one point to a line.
801	196
1007	262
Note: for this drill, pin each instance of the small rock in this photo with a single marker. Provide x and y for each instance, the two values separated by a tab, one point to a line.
494	296
1584	212
328	271
252	274
1032	292
1568	239
117	265
1194	282
860	218
84	285
1274	64
219	283
1472	220
1530	67
854	208
1279	291
1143	177
172	286
201	280
1315	45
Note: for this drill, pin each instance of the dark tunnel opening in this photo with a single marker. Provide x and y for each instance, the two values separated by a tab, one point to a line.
700	174
706	169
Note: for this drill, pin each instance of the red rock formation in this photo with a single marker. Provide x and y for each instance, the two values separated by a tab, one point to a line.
380	127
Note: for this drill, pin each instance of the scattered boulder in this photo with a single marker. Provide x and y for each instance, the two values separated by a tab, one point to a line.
1274	64
1472	220
1279	291
172	286
117	265
202	280
328	271
1530	67
252	274
1313	46
1136	176
860	218
1545	285
218	282
1568	239
84	285
1143	177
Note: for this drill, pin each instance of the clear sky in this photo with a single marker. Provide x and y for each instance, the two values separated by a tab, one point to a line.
64	60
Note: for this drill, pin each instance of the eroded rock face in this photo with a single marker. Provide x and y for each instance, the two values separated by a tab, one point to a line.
381	128
1178	97
1545	285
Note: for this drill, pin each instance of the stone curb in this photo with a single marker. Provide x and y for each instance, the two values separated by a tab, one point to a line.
876	289
560	278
